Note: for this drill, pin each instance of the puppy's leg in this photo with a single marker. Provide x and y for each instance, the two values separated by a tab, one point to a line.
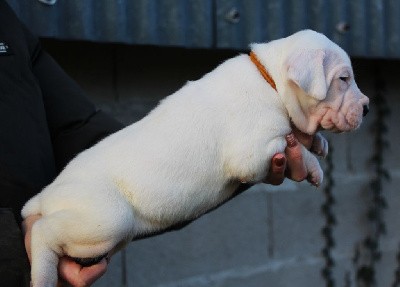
72	233
315	173
320	145
250	163
44	258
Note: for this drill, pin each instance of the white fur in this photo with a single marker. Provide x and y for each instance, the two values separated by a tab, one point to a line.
192	151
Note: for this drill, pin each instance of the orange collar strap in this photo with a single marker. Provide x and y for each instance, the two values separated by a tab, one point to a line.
262	70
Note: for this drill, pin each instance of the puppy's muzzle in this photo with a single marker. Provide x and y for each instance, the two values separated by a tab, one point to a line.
365	110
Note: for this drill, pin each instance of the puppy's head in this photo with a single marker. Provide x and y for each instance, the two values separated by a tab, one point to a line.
319	75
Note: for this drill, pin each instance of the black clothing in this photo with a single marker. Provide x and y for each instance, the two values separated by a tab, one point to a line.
45	118
14	265
45	121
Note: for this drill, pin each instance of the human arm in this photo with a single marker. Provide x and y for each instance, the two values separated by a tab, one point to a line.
46	120
75	124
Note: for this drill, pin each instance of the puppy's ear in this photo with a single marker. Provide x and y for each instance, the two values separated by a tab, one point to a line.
306	69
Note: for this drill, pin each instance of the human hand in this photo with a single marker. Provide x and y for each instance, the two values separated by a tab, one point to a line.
290	164
80	276
69	271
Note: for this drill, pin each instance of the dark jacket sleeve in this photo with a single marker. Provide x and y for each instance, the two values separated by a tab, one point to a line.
74	122
14	265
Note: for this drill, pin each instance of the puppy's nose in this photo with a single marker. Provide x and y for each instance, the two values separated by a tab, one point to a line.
365	110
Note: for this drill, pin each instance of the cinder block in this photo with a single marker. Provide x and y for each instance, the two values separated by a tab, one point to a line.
348	157
391	215
293	272
233	235
113	276
297	274
385	268
392	154
297	222
350	212
353	199
352	203
345	270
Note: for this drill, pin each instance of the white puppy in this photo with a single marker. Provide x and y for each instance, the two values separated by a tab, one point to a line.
192	151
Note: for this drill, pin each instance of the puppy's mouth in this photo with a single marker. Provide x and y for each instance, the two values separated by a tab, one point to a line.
336	130
341	127
332	129
339	121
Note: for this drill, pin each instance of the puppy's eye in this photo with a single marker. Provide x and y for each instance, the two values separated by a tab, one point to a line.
344	79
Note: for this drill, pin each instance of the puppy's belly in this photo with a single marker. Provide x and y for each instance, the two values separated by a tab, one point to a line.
165	207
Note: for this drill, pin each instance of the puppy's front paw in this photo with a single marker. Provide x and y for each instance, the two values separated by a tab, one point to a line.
314	170
315	176
320	145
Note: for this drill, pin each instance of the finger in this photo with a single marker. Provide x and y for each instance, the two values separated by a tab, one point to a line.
27	228
76	275
28	222
92	273
276	173
68	270
296	169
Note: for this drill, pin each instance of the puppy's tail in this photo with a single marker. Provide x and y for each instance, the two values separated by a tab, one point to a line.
31	207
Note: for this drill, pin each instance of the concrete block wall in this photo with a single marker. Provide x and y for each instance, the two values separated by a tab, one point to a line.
267	236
